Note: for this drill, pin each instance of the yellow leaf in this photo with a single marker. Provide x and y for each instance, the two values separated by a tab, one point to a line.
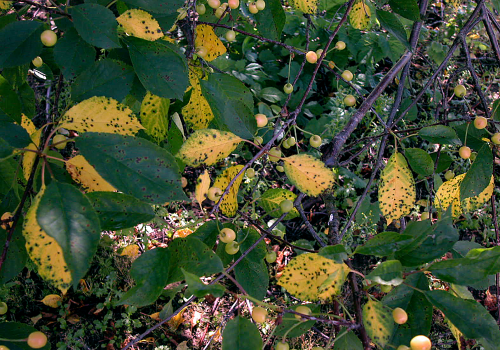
28	125
360	14
44	251
306	6
73	319
378	322
140	24
176	321
202	186
208	146
308	174
229	204
184	232
197	113
449	194
271	200
6	4
82	172
155	316
154	116
311	277
206	37
396	191
29	157
52	300
101	114
459	337
132	251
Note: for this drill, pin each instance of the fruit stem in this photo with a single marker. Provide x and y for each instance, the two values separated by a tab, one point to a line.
14	340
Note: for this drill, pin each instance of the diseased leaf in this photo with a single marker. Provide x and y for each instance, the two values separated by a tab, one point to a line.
131	251
308	174
197	113
202	186
420	161
477	179
360	14
378	322
28	156
207	146
154	116
140	24
52	300
229	204
384	244
306	6
206	37
85	174
271	200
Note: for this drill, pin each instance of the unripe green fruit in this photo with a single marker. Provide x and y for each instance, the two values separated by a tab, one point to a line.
250	173
182	14
59	141
214	194
291	141
449	175
261	120
232	248
233	4
259	314
496	138
303	310
48	38
280	168
340	45
385	288
286	206
213	3
282	346
399	315
420	342
424	215
258	140
347	75
37	340
271	256
315	141
201	9
349	100
274	154
464	152
230	35
403	347
285	144
261	5
3	308
311	57
480	123
288	88
460	91
319	52
252	7
227	235
37	61
473	156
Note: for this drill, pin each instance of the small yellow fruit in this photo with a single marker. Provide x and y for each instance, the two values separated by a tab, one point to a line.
261	5
259	314
449	175
37	61
3	308
399	315
214	193
385	288
232	248
261	120
213	3
464	152
271	256
349	100
274	154
5	217
340	45
252	7
233	4
347	75
282	346
184	182
258	140
424	215
311	57
315	141
331	64
3	347
280	168
460	91
230	35
227	235
286	206
201	51
59	141
48	38
420	342
302	310
496	138
201	9
288	88
250	173
37	340
319	52
480	123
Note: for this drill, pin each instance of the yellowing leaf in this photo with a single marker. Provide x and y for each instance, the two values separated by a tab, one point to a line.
82	172
271	199
208	146
378	322
311	277
206	37
202	186
176	321
28	156
229	204
132	251
155	316
101	114
73	319
52	300
197	113
184	232
360	14
308	174
449	194
6	4
154	116
44	250
28	125
396	191
140	24
306	6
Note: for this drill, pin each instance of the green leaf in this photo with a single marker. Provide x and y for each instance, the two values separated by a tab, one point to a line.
389	272
197	288
16	76
289	321
495	109
271	94
384	244
96	24
253	277
9	101
479	175
470	317
134	166
444	162
66	215
439	134
271	199
248	237
73	55
271	20
350	341
106	77
8	169
336	253
20	43
240	333
232	104
406	8
378	322
159	66
118	211
14	134
420	161
474	136
391	22
27	98
157	6
208	232
17	331
16	255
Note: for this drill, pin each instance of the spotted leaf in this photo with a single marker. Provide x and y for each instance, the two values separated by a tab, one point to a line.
28	125
28	156
197	113
6	4
101	114
378	322
202	186
154	116
208	146
206	37
271	199
229	204
140	24
396	191
52	300
360	15
311	276
309	174
131	251
306	6
85	174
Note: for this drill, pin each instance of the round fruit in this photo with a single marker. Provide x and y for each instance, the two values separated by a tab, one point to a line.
331	64
250	172
288	88
311	57
291	141
480	122
460	91
315	141
449	175
259	314
261	5
271	256
59	141
464	152
182	14
48	38
230	35
403	347
227	235
5	216
285	144
37	340
232	248
282	346
219	12
184	182
420	342
319	52
347	75
213	3
201	9
3	308
340	45
252	7
274	154
302	310
233	4
214	193
496	138
473	156
37	61
201	51
280	168
3	347
261	120
399	315
386	288
424	215
258	140
286	206
349	100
